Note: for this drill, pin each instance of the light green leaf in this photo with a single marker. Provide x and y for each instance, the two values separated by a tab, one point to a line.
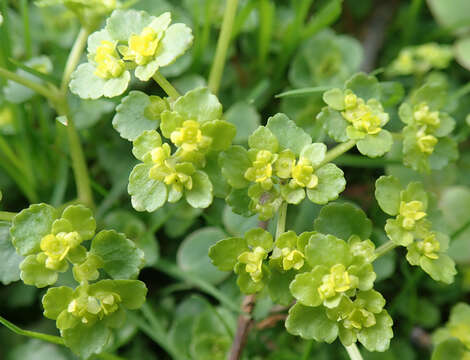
311	323
440	269
343	221
234	162
305	286
334	124
239	202
331	183
146	194
278	286
177	39
334	98
85	340
451	348
225	253
432	93
246	119
375	145
378	336
192	254
446	126
130	120
365	86
263	139
121	257
145	143
56	300
9	259
132	292
87	85
35	273
30	226
124	23
445	151
199	104
170	121
314	152
221	132
259	237
327	250
82	220
288	134
462	51
387	194
397	234
200	196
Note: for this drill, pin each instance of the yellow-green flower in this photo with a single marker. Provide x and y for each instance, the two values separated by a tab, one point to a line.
262	169
426	143
56	247
337	281
254	262
424	116
178	175
410	212
284	164
292	259
303	174
429	246
361	116
142	47
109	64
90	308
189	137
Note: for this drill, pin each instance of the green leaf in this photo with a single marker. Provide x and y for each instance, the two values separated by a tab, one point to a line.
397	234
364	86
263	139
121	257
85	340
440	269
200	196
30	226
56	300
170	121
35	273
392	93
225	253
387	194
177	39
146	194
331	183
9	259
327	250
445	151
130	120
239	202
259	237
87	85
145	143
343	221
455	17
221	132
124	23
451	348
288	134
415	191
462	52
245	118
432	93
311	323
246	283
278	286
373	300
378	336
221	187
192	254
375	145
334	124
305	286
234	162
82	220
314	152
334	98
132	292
199	104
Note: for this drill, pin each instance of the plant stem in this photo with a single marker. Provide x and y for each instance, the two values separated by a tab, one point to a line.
384	248
7	216
281	220
74	58
32	334
166	85
50	93
223	42
243	327
307	350
364	162
353	352
27	35
337	151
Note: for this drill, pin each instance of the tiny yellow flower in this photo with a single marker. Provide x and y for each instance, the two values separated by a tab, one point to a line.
429	246
109	64
338	280
292	259
142	47
284	164
178	175
411	212
189	137
160	154
262	169
424	116
350	101
254	262
426	143
359	318
360	115
56	247
303	174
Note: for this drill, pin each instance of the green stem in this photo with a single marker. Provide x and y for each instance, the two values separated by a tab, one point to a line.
281	220
364	162
174	271
353	352
7	216
27	34
74	58
337	151
307	350
49	93
384	248
217	69
166	85
32	334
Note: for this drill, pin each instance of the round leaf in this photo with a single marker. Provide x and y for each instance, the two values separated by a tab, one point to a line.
289	135
199	104
387	194
82	220
9	259
331	183
200	195
147	194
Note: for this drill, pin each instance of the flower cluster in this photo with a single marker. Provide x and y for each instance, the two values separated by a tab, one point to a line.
411	228
168	172
130	40
51	243
420	59
282	164
356	114
426	144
